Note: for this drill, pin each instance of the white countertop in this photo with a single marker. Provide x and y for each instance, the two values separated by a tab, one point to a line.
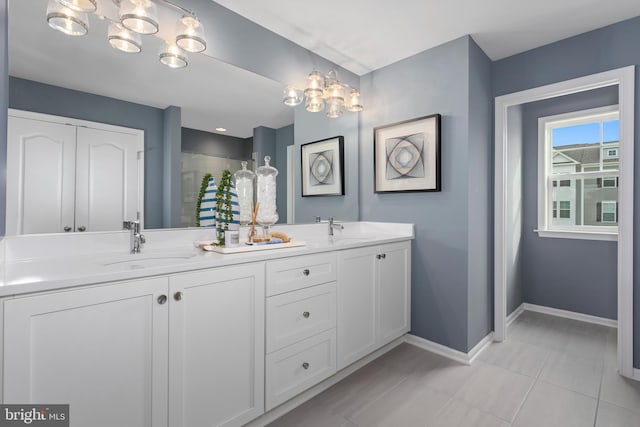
47	262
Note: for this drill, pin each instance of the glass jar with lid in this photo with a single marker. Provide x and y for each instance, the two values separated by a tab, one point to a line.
244	187
266	194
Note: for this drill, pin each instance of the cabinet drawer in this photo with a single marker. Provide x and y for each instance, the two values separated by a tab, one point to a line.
294	369
290	274
297	315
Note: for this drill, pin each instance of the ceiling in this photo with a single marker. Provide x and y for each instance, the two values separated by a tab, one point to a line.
235	99
364	35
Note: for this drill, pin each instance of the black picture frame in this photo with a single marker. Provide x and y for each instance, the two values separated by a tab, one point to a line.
407	156
322	167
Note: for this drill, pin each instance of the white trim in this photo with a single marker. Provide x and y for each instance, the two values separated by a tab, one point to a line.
570	315
293	403
624	78
291	186
515	314
448	352
636	374
580	235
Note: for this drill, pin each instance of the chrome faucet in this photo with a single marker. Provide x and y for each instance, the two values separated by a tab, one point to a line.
333	225
136	238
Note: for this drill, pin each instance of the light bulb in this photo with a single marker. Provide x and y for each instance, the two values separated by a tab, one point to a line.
140	16
124	40
172	56
190	34
315	85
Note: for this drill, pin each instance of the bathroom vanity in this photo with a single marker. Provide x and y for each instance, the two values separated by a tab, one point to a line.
178	337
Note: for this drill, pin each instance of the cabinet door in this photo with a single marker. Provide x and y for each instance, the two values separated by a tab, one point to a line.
102	350
106	179
356	304
40	176
394	291
216	359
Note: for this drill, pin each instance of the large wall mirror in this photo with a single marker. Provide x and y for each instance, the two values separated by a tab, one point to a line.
85	79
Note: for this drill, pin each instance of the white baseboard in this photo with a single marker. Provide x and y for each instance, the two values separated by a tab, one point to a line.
448	352
293	403
636	374
515	314
571	315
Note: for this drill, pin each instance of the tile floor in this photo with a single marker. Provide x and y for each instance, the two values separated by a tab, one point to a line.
551	372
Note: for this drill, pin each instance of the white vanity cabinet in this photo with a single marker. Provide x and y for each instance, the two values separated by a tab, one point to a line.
216	354
374	297
300	325
103	350
180	351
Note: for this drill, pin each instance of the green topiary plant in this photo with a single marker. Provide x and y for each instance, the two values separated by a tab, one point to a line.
224	210
203	187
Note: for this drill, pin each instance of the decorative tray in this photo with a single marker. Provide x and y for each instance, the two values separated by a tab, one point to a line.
252	248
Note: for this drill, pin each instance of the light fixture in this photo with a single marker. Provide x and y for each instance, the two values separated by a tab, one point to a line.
190	34
292	96
172	56
140	16
324	91
86	6
136	17
66	20
122	39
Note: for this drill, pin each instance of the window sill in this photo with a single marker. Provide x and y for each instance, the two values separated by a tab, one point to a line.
580	235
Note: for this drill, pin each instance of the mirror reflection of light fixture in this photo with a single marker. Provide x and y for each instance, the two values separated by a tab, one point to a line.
172	56
324	91
124	40
140	16
86	6
66	20
190	34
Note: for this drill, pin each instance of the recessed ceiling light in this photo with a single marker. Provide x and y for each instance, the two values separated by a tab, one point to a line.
221	129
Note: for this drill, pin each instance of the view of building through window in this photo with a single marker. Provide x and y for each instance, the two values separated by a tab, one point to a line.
584	159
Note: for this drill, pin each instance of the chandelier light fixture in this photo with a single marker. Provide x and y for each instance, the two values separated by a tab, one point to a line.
135	18
324	92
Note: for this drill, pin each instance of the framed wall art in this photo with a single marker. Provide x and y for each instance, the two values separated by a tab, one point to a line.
323	167
406	155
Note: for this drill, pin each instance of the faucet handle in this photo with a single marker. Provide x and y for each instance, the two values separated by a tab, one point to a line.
143	239
128	225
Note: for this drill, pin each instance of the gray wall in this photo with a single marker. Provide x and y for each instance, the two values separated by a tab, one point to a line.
42	98
574	275
264	144
515	293
445	253
596	51
4	103
213	144
284	138
172	186
311	127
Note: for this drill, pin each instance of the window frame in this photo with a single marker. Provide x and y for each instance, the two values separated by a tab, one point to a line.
546	179
613	203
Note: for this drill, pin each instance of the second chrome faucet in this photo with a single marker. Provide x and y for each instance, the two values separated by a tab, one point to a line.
136	238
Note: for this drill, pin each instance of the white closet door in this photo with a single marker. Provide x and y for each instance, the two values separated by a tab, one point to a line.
40	176
106	179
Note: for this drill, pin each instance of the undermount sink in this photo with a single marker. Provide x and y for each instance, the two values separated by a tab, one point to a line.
135	261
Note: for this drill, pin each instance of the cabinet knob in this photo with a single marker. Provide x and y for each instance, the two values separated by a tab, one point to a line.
383	256
305	365
162	299
378	256
306	314
67	228
306	272
178	296
82	228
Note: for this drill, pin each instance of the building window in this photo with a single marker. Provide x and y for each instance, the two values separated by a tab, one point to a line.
578	171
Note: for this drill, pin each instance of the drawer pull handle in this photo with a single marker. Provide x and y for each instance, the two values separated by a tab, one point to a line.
305	365
306	314
162	299
306	272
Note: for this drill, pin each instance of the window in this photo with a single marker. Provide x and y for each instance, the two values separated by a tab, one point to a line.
578	172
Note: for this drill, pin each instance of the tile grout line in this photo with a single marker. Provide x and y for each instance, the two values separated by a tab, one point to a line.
595	417
526	396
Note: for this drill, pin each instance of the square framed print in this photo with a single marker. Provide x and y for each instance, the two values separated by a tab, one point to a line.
406	155
323	167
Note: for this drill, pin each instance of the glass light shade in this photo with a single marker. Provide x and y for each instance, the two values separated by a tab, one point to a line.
66	20
314	104
140	16
334	110
292	96
335	94
122	39
87	6
172	56
315	85
354	104
190	34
